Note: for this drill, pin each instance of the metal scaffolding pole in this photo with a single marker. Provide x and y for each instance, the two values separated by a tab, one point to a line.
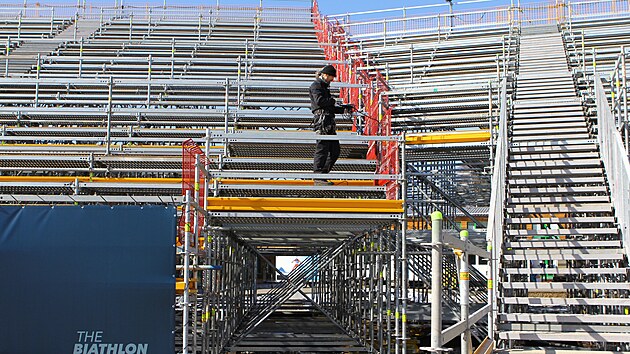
436	282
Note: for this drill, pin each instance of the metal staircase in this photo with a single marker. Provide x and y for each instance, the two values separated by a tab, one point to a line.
563	276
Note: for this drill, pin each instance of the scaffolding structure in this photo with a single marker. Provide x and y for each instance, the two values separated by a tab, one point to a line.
206	107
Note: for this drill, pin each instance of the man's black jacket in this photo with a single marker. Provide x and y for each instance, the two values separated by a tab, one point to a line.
321	99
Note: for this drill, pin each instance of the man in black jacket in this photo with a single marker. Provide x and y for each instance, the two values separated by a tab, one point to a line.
324	107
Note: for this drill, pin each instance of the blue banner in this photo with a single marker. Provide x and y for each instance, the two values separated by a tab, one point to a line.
84	280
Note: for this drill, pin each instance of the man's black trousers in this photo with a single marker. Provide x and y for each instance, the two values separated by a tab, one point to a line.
326	154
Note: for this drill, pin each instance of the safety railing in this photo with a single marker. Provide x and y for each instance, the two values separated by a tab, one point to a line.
615	159
463	248
224	12
371	98
552	12
619	97
494	235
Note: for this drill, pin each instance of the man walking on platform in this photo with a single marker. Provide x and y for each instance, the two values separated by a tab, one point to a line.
324	107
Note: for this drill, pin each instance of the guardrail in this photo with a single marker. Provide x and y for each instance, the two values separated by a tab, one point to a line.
615	159
619	97
494	235
165	12
544	13
463	247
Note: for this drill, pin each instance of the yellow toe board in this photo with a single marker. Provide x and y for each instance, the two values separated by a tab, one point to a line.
449	137
305	205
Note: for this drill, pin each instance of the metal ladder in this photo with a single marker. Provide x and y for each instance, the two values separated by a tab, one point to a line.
564	276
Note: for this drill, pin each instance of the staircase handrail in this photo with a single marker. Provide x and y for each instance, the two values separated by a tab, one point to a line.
615	159
494	234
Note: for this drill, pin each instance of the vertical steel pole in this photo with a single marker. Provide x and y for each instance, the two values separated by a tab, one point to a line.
110	85
173	58
464	295
490	125
52	20
238	83
226	115
76	25
81	57
583	56
411	63
384	33
403	236
130	27
625	97
19	32
436	281
149	81
37	68
186	266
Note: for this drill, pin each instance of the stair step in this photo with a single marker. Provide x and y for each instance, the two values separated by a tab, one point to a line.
558	199
563	82
567	232
564	254
565	286
541	104
556	172
534	301
554	220
533	136
548	327
523	120
543	124
565	271
555	163
559	190
572	208
555	181
543	243
542	77
565	336
547	130
568	86
536	95
563	318
533	153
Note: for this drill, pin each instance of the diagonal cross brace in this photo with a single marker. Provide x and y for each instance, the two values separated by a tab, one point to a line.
274	299
346	331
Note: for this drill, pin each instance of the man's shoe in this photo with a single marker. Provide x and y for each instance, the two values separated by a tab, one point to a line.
322	182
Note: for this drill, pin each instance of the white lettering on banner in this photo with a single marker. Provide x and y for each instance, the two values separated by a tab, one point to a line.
91	342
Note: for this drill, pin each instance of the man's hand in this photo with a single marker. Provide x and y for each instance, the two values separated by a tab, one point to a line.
348	108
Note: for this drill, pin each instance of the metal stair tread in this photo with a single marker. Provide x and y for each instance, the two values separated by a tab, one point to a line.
553	243
565	285
554	163
555	172
562	220
556	180
565	336
555	232
542	129
559	208
547	190
571	255
565	271
541	301
534	136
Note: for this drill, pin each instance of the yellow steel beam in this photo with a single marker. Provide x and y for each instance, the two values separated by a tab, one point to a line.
305	205
449	137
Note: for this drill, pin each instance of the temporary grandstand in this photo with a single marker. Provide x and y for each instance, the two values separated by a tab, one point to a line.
480	204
